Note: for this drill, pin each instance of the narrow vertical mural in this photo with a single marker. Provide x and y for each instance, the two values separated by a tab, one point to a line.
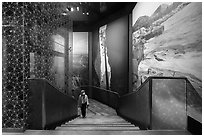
80	60
110	56
105	74
58	63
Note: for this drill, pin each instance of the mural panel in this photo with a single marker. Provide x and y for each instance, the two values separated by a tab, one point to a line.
80	60
105	70
167	41
110	56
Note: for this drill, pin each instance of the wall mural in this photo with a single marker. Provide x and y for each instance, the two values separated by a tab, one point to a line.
167	41
110	56
105	73
80	60
28	52
101	63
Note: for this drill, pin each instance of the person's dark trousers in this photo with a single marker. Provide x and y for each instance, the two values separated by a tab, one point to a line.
83	109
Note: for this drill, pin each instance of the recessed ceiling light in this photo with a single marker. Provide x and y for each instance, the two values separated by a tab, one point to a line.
64	13
87	13
77	8
72	9
68	9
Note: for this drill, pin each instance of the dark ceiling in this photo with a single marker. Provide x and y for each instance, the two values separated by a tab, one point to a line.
86	14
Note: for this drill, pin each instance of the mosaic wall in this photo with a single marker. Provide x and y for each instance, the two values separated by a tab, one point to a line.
13	84
167	41
28	52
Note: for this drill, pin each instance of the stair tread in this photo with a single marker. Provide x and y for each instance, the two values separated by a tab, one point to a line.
97	128
102	132
99	118
100	125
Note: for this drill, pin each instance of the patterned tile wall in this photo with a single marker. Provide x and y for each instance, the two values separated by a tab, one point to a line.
27	29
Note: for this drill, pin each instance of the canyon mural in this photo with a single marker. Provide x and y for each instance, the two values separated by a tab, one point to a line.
167	41
102	66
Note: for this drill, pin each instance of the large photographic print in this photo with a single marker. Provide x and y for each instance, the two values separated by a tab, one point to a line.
167	41
80	59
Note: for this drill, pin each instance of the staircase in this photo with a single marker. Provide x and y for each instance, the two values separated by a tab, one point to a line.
100	120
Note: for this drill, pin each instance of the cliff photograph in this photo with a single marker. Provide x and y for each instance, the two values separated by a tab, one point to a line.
168	42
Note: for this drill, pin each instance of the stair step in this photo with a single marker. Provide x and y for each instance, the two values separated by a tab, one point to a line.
97	122
100	132
100	118
98	125
93	128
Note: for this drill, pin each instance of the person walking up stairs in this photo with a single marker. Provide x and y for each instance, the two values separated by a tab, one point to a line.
83	103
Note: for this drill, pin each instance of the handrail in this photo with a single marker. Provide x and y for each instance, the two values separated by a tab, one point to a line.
148	79
105	96
101	89
135	114
194	89
106	90
43	79
50	107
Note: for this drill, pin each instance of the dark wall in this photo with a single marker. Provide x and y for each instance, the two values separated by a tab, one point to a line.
117	43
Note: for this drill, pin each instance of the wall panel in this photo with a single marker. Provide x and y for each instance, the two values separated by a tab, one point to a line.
169	104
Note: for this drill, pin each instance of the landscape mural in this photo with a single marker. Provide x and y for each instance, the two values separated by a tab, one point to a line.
80	60
167	41
105	74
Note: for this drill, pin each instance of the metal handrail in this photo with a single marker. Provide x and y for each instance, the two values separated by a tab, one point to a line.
102	89
47	81
148	79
